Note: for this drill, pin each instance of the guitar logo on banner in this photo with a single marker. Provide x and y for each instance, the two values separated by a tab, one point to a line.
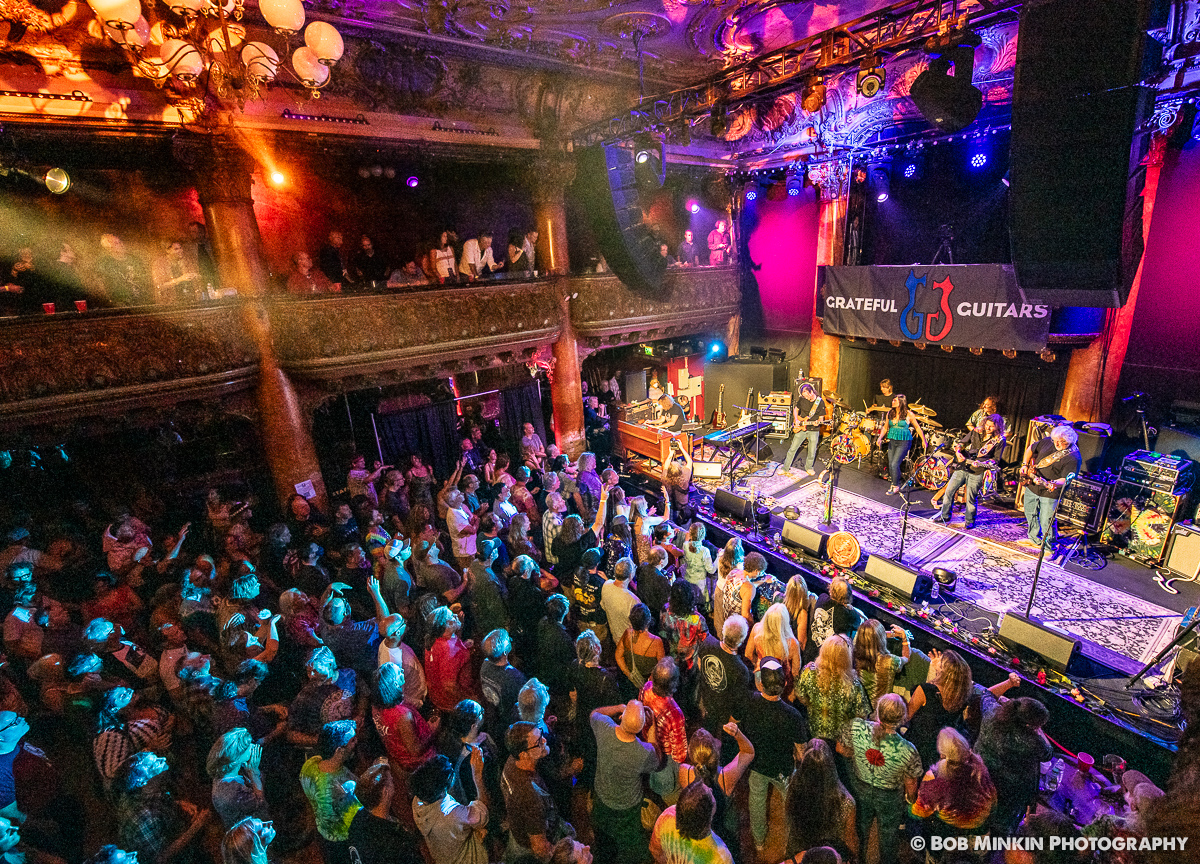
967	306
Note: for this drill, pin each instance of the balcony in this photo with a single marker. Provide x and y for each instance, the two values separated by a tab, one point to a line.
607	313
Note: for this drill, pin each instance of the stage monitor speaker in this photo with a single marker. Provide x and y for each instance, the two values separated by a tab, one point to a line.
1057	647
732	504
1079	135
897	577
1176	442
707	470
608	188
1093	441
800	536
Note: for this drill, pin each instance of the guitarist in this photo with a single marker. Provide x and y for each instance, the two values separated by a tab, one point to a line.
974	453
1045	468
807	413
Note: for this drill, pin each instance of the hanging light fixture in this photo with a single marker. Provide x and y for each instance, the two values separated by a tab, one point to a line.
207	50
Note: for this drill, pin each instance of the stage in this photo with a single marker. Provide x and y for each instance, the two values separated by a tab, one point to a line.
1119	613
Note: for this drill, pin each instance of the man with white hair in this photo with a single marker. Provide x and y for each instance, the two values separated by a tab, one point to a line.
1046	466
623	759
463	528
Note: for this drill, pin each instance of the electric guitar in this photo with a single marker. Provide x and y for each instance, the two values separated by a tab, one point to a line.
747	415
718	416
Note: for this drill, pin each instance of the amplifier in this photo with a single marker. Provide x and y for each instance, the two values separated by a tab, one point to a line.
1169	474
1183	555
1140	519
1086	503
775	398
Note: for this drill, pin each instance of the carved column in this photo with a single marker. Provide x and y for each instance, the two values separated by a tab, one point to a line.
223	177
549	176
566	391
833	180
1095	371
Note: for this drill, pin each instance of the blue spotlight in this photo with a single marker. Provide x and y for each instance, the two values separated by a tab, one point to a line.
909	170
751	195
718	351
978	160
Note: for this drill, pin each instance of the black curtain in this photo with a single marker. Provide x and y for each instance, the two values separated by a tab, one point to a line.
519	405
430	431
953	384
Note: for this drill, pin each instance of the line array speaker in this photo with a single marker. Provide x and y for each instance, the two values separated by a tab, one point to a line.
1078	138
889	574
732	504
607	185
800	536
1057	647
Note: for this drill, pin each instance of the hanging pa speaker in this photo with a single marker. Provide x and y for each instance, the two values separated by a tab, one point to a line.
1057	647
732	504
800	536
1079	135
607	185
896	577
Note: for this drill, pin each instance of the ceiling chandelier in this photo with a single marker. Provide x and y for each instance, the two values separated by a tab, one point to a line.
202	46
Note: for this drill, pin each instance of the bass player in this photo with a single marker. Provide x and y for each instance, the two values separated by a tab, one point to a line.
974	454
808	413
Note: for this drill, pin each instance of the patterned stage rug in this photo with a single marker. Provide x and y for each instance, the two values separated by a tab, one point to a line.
769	479
997	576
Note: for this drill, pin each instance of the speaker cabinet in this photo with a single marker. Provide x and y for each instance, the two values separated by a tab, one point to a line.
897	577
606	183
1183	555
1078	139
1093	442
1058	648
741	378
732	504
800	536
1176	442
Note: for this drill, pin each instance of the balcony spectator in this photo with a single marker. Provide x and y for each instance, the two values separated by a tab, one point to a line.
331	259
518	262
477	260
200	251
176	279
719	244
530	248
688	254
441	258
306	279
122	275
408	276
367	264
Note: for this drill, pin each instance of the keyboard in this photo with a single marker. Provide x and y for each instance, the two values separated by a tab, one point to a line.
731	436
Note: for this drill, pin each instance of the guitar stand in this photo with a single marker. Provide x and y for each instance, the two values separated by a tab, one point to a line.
1084	556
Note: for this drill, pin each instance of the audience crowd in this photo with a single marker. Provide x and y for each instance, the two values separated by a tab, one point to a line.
522	661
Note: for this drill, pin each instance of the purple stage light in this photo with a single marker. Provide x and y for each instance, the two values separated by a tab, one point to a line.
412	182
978	160
694	207
909	170
751	195
793	191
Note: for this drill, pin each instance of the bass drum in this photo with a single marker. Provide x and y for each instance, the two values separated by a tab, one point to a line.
932	471
843	450
862	444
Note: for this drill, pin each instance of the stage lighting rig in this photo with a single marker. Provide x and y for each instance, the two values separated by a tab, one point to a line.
795	180
871	78
813	98
951	103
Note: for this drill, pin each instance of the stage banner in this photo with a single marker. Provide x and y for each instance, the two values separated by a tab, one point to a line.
966	306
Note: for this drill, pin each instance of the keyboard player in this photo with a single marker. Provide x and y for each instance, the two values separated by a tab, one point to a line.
672	418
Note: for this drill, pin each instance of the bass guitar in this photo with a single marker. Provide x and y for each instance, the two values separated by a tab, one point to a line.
718	416
747	414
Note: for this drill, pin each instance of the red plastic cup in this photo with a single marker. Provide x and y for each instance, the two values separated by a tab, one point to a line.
48	308
80	305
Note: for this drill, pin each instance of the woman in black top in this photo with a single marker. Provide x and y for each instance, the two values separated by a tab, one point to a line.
572	541
592	687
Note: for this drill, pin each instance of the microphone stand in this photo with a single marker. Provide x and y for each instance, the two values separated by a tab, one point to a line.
906	495
1045	538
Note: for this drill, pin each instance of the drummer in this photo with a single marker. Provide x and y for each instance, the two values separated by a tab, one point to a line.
972	448
884	396
989	406
807	413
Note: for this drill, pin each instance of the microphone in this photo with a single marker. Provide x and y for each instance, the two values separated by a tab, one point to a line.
912	481
1067	481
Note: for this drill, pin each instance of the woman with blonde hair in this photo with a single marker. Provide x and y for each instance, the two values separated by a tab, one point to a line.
773	637
704	764
645	520
800	603
237	788
831	691
886	769
957	788
876	666
247	842
942	699
698	565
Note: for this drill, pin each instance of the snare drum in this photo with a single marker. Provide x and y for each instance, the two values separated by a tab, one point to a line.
851	420
932	472
870	426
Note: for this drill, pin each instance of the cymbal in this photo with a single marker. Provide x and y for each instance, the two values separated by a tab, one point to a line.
921	409
875	408
835	399
927	422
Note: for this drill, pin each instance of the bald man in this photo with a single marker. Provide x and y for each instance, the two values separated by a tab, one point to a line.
625	755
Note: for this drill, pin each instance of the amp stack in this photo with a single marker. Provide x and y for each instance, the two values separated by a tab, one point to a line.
1149	497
